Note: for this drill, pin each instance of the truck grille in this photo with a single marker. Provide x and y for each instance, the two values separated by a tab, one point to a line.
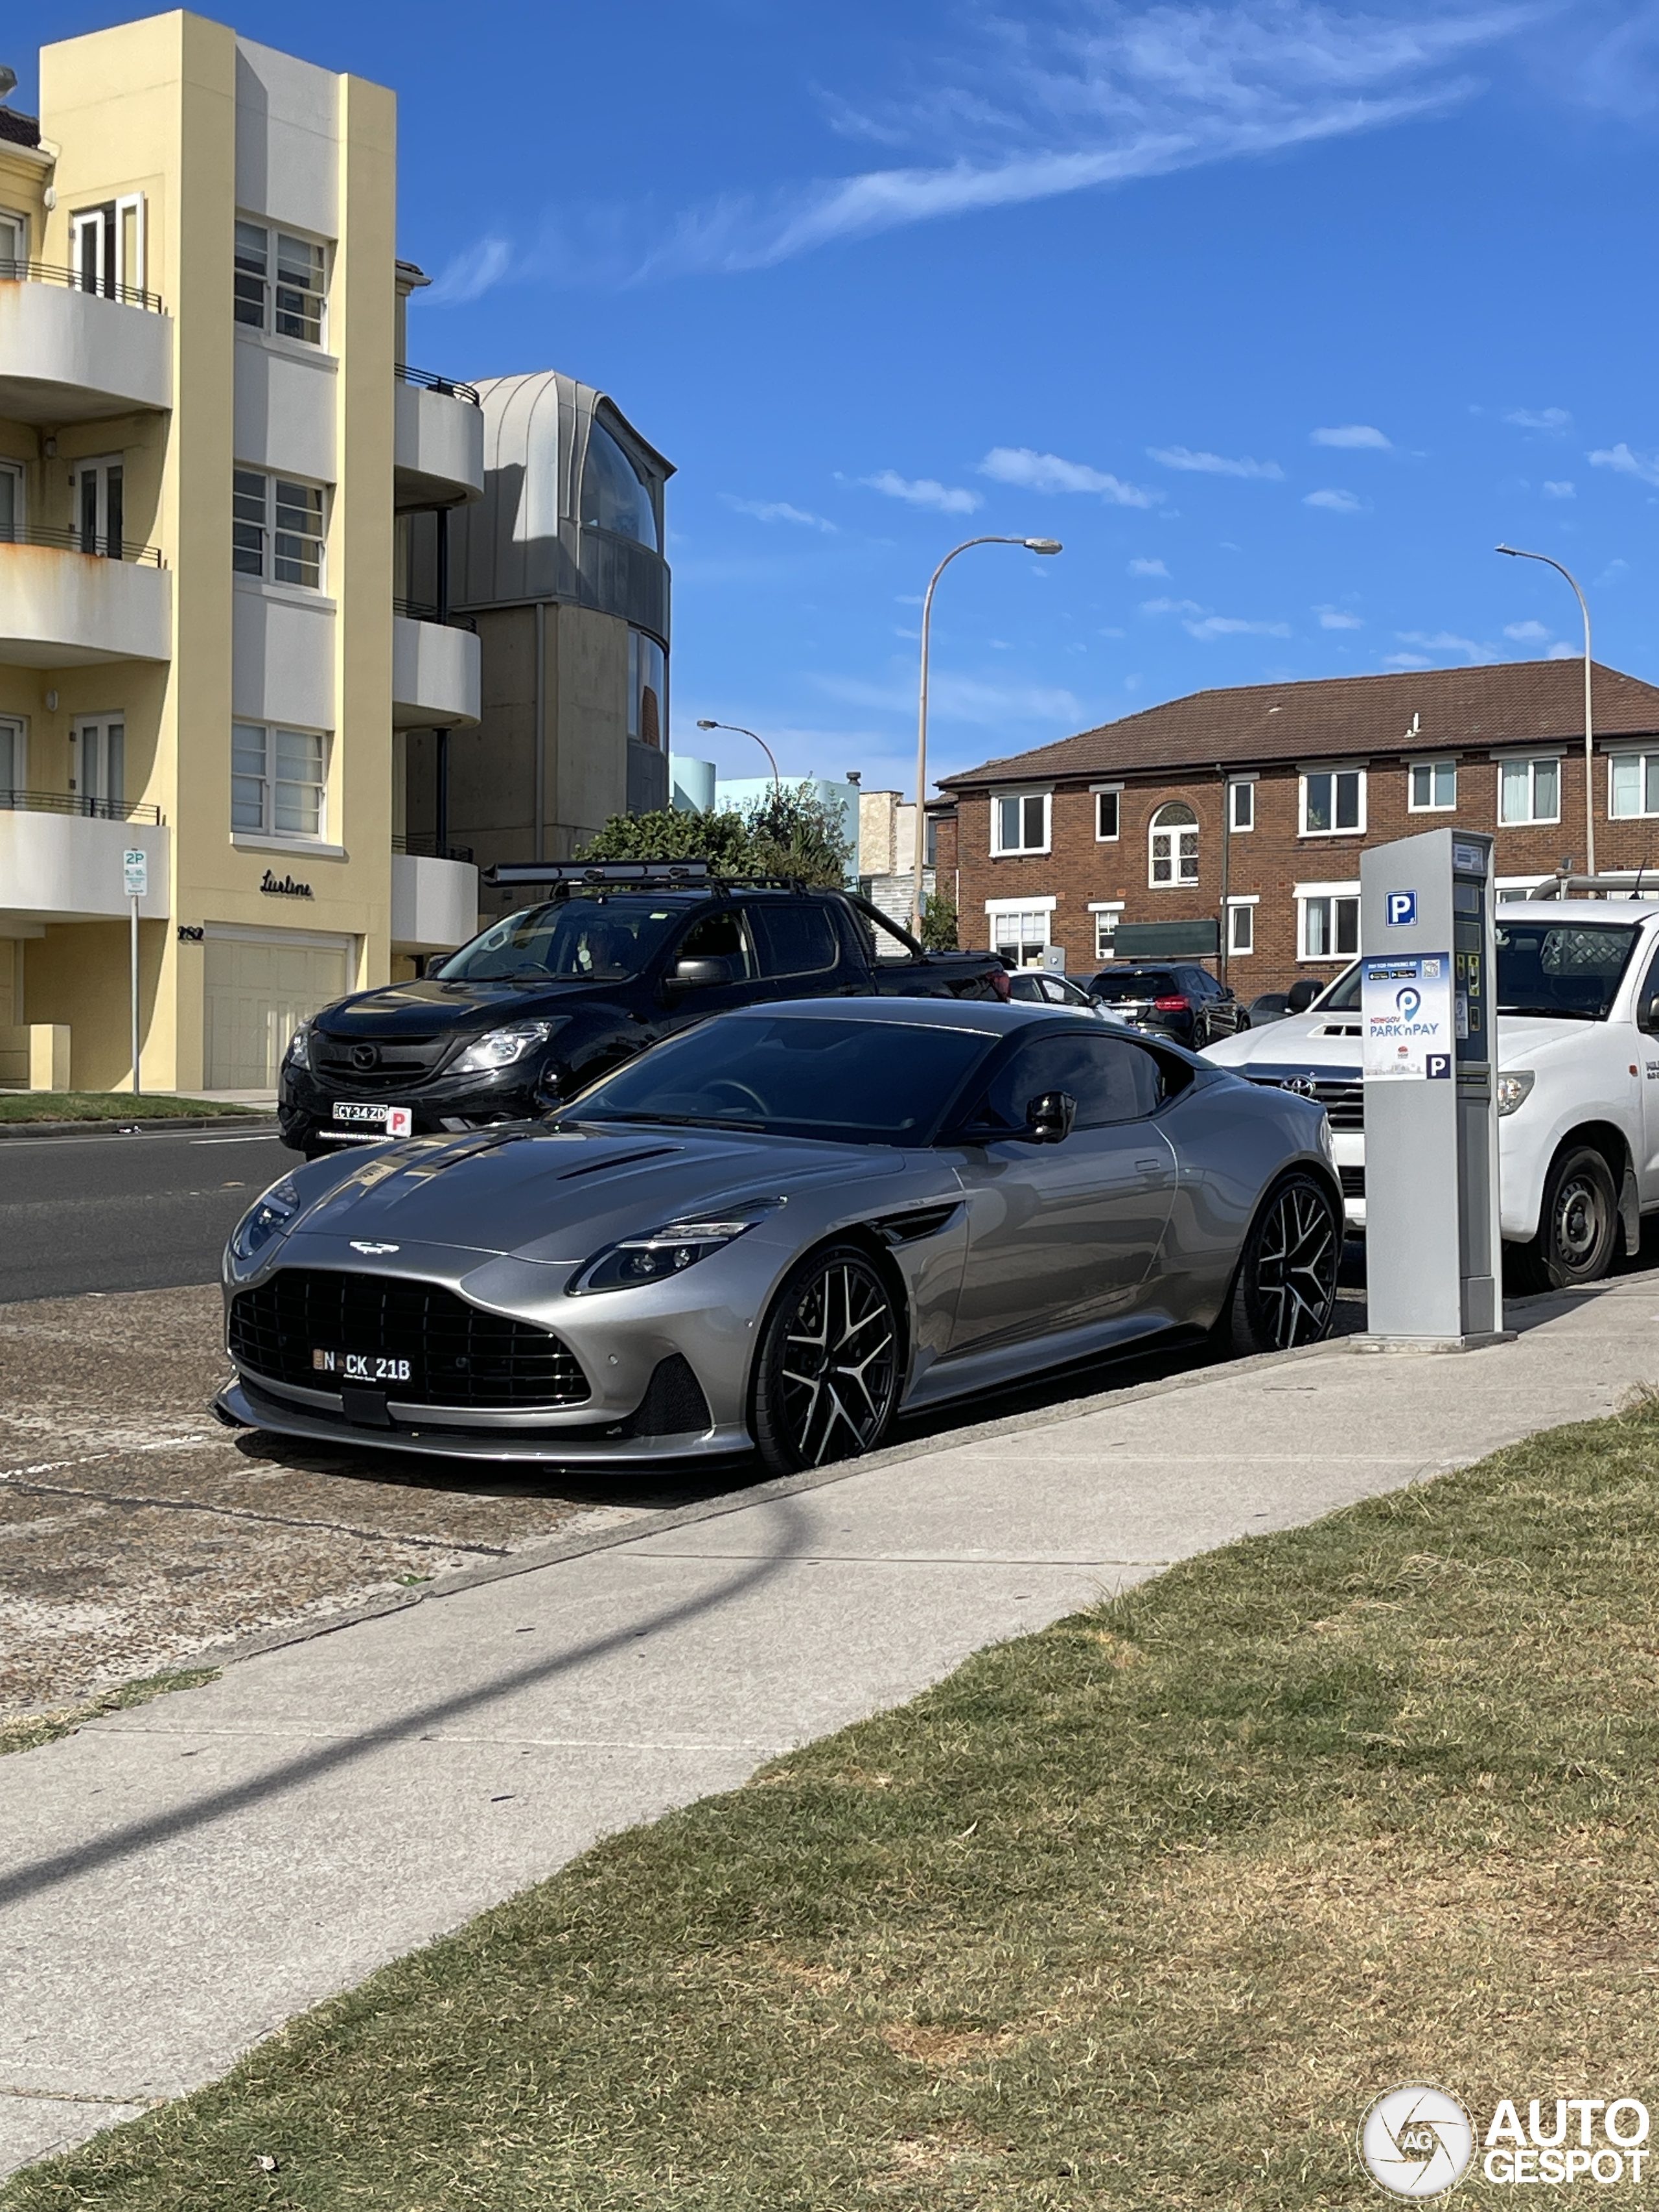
461	1356
1354	1181
399	1061
1344	1101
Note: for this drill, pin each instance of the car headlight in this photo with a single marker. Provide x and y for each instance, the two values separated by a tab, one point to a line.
298	1047
661	1253
1327	1142
1513	1088
501	1047
268	1217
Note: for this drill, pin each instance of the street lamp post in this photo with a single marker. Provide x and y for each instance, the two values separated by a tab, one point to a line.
777	786
1031	545
1515	553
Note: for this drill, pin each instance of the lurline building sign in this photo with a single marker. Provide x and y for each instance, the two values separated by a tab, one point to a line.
275	886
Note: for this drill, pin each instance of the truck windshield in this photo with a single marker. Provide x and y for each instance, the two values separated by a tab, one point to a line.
1569	970
578	940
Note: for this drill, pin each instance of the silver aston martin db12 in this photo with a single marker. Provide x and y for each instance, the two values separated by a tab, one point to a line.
781	1229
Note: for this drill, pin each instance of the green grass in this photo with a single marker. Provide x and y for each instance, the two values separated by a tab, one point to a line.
106	1106
1141	1911
27	1731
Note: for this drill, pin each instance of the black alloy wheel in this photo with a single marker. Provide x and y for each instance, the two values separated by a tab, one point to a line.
1285	1292
827	1376
1577	1224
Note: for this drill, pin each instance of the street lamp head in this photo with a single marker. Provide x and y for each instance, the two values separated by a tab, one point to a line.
702	725
1043	545
1513	551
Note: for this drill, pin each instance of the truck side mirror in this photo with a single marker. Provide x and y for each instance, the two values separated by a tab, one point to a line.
1300	995
1650	1015
698	973
1049	1116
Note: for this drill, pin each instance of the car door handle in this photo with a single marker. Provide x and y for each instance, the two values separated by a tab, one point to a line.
1152	1167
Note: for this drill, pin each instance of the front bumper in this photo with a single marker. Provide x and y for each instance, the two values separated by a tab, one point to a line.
445	1105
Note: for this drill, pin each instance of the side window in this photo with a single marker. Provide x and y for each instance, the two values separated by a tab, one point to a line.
720	936
1649	992
795	939
1111	1078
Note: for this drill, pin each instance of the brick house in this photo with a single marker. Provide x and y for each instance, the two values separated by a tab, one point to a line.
1243	812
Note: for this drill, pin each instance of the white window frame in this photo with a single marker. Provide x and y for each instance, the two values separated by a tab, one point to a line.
269	282
1242	909
1352	829
1108	913
1022	799
1432	768
19	476
1532	763
1177	879
1241	788
1331	896
270	782
18	726
270	530
998	911
1647	765
93	736
11	215
1100	793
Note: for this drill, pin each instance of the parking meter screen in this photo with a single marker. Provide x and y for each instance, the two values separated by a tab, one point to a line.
1564	970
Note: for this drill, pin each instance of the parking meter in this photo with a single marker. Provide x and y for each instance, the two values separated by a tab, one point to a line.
1433	1245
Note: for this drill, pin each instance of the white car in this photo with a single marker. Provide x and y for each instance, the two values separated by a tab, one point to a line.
1578	1001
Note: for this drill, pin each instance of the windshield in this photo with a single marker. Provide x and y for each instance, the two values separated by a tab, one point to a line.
1569	969
846	1082
1117	984
578	940
1343	997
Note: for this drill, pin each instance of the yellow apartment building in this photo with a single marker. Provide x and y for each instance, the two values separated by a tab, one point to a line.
211	449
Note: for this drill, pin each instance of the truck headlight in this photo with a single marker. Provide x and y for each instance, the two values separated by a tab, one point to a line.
1513	1088
1327	1142
268	1217
661	1253
501	1047
298	1047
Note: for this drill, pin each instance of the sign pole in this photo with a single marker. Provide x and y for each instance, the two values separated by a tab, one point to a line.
135	876
137	1086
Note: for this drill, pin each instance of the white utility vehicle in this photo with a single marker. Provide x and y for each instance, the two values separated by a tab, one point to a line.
1577	1001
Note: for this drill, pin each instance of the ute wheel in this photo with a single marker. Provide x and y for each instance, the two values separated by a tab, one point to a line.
1576	1226
827	1375
1285	1292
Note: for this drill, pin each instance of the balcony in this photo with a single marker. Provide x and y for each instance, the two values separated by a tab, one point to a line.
62	608
68	356
435	903
437	442
62	866
434	672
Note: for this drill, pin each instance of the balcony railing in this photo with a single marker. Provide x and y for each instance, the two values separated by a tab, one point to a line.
423	611
422	846
43	272
82	541
426	380
72	802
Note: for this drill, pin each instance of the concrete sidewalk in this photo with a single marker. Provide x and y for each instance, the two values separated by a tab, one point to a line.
180	1880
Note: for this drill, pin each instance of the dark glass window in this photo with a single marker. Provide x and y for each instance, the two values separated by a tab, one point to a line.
1110	1078
574	940
792	940
720	936
613	497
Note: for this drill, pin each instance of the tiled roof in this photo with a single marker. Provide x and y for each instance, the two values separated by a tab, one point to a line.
1454	709
21	130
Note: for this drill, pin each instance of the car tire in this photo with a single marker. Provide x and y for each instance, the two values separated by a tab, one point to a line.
1578	1225
827	1372
1284	1293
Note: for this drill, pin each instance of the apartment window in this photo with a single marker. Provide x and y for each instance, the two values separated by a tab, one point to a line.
614	496
99	751
1020	934
930	843
647	688
12	763
1240	927
1174	841
278	283
1330	926
1240	806
1633	784
14	244
277	529
107	247
1107	919
99	487
1019	823
278	780
1529	791
1433	787
1108	806
11	501
1333	802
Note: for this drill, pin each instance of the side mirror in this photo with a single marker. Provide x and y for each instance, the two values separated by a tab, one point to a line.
1650	1015
1049	1116
698	975
1301	996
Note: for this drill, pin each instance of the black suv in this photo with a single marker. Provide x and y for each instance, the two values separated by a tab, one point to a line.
553	997
1182	1002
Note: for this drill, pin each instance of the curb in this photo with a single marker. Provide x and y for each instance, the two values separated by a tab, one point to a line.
254	1124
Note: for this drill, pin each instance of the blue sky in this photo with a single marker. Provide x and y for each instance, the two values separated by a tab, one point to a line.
1281	316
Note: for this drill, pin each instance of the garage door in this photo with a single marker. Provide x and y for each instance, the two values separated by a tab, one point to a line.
260	984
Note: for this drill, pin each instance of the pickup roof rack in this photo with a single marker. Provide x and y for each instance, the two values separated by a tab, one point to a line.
637	875
1627	883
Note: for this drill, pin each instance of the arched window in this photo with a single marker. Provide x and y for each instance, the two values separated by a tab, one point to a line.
1174	845
613	497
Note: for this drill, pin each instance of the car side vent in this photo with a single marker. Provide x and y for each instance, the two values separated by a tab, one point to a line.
673	1404
926	1221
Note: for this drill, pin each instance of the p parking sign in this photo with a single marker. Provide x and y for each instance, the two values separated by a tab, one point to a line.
1400	909
134	872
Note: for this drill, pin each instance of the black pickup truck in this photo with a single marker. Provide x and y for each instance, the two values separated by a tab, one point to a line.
620	954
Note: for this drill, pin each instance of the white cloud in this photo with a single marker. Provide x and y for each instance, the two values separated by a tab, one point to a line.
1445	640
1354	435
1170	607
925	491
962	699
1214	465
1214	626
776	510
1338	619
1628	464
1143	568
1525	633
1562	650
1555	420
470	274
1561	488
1034	472
1404	660
1336	502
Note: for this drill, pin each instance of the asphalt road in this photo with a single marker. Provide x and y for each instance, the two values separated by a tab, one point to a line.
124	1214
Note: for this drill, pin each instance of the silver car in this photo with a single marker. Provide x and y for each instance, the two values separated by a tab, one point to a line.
781	1229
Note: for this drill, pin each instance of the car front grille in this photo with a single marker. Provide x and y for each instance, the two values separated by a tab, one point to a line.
399	1061
461	1356
1344	1101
